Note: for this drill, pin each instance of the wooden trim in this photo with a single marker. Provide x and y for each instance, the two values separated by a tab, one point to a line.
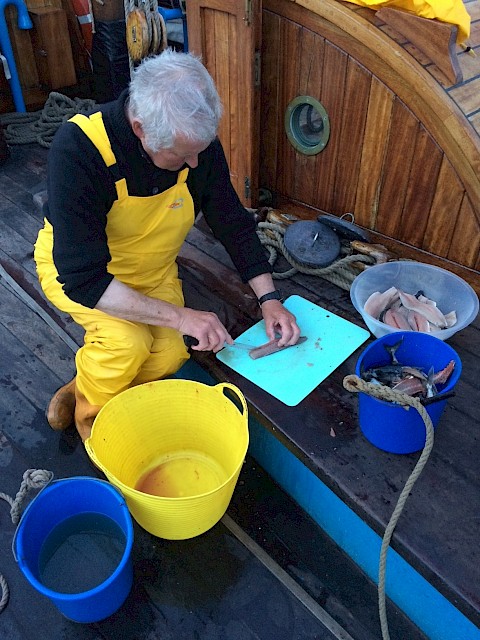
436	39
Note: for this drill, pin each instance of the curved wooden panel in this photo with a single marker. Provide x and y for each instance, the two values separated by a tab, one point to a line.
402	155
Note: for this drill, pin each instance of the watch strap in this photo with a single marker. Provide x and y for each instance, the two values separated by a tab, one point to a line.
273	295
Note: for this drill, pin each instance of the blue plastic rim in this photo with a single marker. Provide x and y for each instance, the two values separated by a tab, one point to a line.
391	427
57	502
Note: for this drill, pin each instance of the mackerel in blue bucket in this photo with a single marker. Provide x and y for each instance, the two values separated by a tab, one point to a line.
389	426
74	543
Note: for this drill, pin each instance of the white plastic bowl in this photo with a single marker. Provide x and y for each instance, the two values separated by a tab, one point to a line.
450	292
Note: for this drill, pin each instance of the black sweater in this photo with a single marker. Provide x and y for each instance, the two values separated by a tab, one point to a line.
81	192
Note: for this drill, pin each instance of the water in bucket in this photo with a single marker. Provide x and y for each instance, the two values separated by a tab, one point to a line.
80	553
73	544
183	474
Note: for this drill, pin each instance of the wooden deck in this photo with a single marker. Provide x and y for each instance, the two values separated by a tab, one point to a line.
466	91
215	586
437	534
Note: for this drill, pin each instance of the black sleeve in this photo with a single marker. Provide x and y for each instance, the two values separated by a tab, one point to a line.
80	193
230	222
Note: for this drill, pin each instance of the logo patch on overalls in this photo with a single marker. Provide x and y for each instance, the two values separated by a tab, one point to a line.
176	204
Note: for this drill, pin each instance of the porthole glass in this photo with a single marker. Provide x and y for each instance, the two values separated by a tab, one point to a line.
307	125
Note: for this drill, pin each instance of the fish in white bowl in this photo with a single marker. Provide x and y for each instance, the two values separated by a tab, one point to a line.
407	311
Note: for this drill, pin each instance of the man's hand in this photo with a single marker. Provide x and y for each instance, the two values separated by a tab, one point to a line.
206	328
279	320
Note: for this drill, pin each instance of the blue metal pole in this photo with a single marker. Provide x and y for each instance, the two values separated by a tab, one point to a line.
24	22
174	14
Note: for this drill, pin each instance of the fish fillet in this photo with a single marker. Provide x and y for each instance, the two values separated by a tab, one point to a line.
429	311
377	302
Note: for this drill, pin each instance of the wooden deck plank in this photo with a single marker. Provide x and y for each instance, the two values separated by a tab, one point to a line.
466	95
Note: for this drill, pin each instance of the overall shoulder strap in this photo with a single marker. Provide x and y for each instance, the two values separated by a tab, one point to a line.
94	128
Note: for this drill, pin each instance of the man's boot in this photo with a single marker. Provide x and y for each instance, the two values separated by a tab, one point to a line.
60	411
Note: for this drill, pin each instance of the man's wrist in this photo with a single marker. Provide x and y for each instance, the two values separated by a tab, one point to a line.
272	295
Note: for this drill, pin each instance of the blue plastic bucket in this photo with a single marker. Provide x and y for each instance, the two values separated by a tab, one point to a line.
389	426
82	526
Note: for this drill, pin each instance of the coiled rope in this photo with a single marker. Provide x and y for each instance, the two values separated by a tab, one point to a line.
41	126
355	384
32	479
340	272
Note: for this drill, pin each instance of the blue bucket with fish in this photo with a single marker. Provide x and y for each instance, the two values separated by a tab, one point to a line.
73	544
389	426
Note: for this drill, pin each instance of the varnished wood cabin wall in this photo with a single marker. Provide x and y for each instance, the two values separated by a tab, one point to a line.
226	34
389	160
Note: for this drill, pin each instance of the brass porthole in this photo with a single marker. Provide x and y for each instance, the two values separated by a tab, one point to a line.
307	125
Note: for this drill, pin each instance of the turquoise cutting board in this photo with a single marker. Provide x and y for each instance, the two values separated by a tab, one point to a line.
290	375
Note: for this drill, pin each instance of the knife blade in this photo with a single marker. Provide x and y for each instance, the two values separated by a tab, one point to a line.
240	345
191	342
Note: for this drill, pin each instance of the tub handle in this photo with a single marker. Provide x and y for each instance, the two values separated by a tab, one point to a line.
222	386
93	457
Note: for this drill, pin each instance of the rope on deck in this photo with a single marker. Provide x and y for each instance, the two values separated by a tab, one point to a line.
32	479
41	126
340	272
355	384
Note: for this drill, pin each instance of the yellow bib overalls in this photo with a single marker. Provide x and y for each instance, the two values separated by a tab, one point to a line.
144	238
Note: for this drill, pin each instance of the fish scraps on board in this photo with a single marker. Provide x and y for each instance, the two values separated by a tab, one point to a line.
408	312
413	381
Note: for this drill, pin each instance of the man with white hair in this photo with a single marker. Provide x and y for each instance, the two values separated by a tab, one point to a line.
124	187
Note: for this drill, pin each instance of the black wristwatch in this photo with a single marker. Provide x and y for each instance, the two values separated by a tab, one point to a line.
273	295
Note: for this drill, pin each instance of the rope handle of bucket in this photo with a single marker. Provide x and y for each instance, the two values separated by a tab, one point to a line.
355	384
32	479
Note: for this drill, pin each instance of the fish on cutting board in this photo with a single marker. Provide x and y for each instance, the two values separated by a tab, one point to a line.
272	347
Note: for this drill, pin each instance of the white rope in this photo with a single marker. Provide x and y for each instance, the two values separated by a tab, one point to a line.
355	384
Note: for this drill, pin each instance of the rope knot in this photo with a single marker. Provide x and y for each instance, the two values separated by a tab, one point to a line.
352	383
32	479
37	478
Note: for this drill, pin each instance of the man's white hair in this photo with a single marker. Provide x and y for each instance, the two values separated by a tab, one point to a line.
173	94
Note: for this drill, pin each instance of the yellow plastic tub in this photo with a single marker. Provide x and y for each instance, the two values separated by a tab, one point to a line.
182	441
